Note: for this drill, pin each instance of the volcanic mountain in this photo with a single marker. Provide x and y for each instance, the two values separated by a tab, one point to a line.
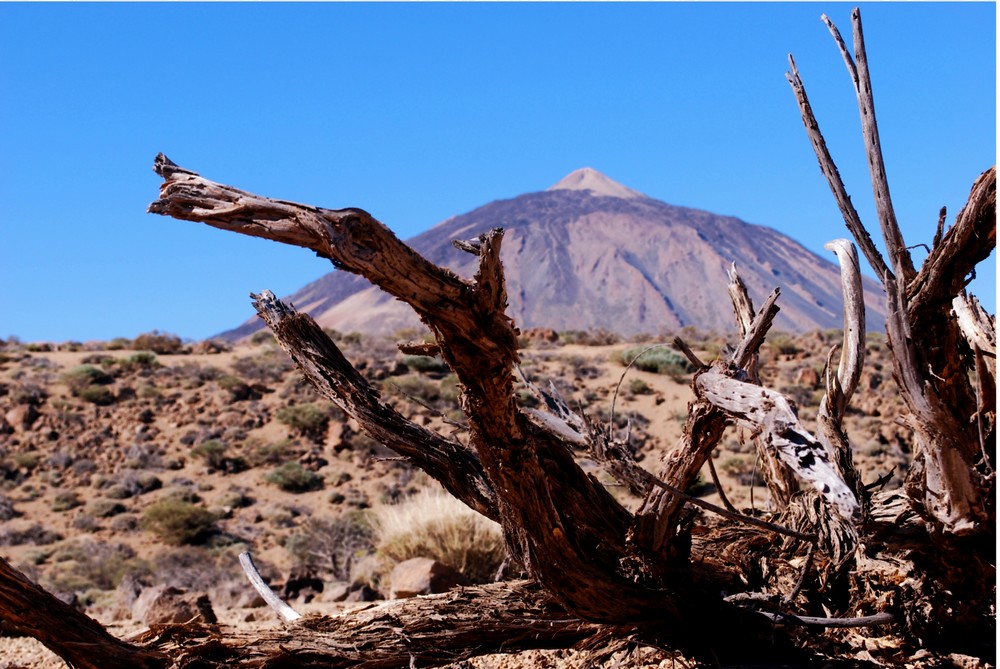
592	253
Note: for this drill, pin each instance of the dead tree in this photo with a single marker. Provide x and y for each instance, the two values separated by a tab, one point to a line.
839	569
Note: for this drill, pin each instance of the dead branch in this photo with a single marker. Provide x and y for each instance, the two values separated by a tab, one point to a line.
75	637
928	369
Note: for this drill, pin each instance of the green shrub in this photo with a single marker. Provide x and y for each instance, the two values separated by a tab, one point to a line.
86	564
84	376
425	364
436	525
310	420
657	360
237	388
783	344
213	452
639	387
140	360
178	522
293	477
64	501
99	395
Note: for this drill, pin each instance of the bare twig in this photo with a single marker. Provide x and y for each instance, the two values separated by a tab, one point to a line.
739	517
287	613
810	621
902	263
718	486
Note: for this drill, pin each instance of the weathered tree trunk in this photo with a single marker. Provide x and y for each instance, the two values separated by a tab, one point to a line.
76	638
901	569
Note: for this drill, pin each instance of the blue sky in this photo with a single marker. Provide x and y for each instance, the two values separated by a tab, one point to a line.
417	112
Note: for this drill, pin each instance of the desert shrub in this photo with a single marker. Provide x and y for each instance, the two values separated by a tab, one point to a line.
37	535
639	387
105	508
273	453
293	477
237	388
119	344
425	364
65	500
262	337
118	491
86	564
99	395
415	387
436	525
140	360
213	452
158	342
596	337
309	419
84	376
783	343
178	522
270	365
658	360
333	545
27	460
7	510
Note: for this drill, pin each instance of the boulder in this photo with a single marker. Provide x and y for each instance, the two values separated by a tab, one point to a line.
164	605
423	576
22	417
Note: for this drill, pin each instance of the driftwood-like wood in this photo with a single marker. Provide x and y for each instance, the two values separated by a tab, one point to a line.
900	569
929	368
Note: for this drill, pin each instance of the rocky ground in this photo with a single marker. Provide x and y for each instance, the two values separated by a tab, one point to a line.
130	466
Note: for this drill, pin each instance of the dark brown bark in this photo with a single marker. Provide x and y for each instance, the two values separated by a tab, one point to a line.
75	637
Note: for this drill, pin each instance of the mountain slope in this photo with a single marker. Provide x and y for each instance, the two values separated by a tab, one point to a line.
592	253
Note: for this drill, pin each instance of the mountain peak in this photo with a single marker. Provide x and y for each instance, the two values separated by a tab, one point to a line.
587	178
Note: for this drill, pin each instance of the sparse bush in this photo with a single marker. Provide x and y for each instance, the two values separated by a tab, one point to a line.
237	388
85	375
783	343
333	545
658	360
86	564
178	522
310	420
213	452
36	534
436	525
415	387
65	500
270	365
293	477
7	510
99	395
105	508
273	453
27	460
140	360
639	387
158	342
598	337
119	343
425	364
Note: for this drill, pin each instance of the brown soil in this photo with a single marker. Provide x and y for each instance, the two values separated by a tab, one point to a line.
66	461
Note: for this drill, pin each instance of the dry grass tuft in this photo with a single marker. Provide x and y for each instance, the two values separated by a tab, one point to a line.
434	524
